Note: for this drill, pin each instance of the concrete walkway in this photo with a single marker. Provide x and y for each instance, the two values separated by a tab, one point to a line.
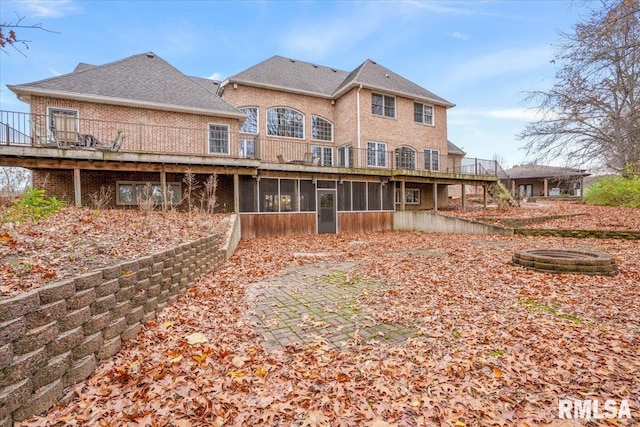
317	300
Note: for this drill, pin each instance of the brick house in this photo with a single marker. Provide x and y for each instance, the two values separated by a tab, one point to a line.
297	147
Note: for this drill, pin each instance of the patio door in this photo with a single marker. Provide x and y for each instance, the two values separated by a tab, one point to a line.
327	211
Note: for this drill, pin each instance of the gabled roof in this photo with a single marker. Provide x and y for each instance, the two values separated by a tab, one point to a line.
292	75
296	76
143	80
372	75
540	171
454	149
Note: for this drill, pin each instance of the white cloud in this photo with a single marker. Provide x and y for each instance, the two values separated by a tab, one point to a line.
215	76
500	63
460	36
54	71
468	115
48	8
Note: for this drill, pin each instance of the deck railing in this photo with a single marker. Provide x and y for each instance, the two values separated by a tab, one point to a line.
70	132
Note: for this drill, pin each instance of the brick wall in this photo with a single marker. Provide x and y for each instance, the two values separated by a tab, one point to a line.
55	336
59	183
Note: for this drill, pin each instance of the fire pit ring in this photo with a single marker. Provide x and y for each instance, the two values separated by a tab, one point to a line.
566	261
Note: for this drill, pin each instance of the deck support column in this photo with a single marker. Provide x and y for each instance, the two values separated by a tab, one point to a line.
163	185
435	196
484	195
464	197
403	197
545	187
77	187
236	193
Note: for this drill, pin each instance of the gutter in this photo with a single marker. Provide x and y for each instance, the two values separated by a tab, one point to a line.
358	116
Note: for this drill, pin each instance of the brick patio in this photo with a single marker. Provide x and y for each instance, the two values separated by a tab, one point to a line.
317	301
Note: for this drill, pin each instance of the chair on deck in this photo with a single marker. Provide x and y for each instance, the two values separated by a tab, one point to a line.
41	138
307	159
280	159
115	144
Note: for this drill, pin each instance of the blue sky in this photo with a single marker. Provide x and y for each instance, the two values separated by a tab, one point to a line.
480	55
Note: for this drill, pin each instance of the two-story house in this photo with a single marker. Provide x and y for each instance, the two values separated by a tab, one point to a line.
297	147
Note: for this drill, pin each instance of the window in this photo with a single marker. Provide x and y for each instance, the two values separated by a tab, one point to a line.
134	192
345	156
431	160
322	155
218	139
383	105
269	197
247	148
63	124
285	122
411	196
250	125
405	158
321	129
374	196
423	113
377	154
359	196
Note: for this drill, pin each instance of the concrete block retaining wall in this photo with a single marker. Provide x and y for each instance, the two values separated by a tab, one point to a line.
436	223
55	336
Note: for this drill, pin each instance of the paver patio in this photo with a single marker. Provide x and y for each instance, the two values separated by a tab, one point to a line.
317	301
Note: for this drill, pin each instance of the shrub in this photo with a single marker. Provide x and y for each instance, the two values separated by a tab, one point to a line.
32	206
614	191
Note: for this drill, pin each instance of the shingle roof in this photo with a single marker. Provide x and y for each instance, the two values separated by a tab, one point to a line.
540	171
142	79
373	75
454	149
298	76
293	75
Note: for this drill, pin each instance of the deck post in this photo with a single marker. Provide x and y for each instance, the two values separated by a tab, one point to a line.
77	187
403	197
484	192
464	196
236	193
435	196
546	187
163	184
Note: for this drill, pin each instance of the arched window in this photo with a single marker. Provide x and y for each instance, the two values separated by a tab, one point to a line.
405	158
287	122
321	129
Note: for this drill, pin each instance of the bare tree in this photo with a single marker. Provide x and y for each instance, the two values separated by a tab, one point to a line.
9	34
14	180
592	113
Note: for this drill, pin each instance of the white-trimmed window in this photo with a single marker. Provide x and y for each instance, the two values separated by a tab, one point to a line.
383	105
321	129
405	158
284	121
377	154
431	160
247	148
250	125
411	196
64	124
423	113
345	156
322	155
133	192
218	139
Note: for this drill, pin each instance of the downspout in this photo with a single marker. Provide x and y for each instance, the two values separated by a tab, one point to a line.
358	118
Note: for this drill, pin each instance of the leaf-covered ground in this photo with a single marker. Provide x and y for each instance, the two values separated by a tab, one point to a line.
498	344
75	240
558	214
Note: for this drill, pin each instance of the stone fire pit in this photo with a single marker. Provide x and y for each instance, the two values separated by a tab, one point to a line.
566	261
